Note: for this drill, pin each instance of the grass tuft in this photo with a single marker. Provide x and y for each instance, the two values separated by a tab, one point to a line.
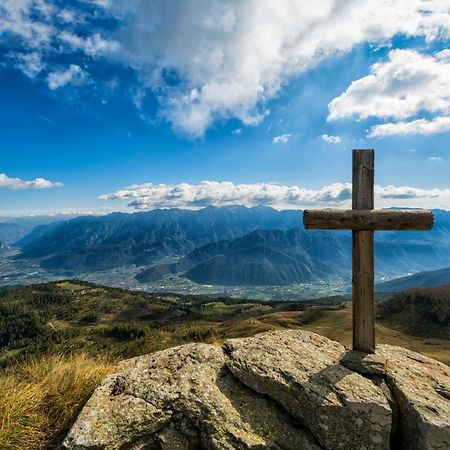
40	399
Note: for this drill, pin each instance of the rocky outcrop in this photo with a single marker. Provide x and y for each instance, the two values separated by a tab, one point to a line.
277	390
421	388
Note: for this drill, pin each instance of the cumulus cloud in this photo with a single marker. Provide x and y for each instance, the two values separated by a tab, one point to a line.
282	139
185	195
418	126
17	183
407	84
209	60
73	75
331	139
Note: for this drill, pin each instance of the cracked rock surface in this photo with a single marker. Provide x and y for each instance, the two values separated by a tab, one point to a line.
277	390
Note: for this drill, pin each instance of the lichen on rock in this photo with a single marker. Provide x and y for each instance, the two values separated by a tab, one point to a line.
277	390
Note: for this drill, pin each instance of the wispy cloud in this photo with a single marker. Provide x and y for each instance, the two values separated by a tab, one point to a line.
185	195
17	183
73	75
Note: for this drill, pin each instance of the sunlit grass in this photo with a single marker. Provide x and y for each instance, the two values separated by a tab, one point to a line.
40	399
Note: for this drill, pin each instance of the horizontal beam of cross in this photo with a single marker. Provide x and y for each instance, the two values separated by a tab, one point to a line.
368	219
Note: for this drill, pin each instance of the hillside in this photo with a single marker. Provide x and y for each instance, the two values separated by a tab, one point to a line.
79	316
262	258
12	232
76	331
426	279
75	315
420	312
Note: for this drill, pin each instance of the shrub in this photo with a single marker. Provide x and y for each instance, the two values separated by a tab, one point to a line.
126	331
89	318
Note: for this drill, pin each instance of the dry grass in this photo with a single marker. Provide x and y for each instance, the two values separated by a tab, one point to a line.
39	400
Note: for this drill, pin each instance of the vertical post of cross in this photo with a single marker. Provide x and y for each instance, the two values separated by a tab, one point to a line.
362	253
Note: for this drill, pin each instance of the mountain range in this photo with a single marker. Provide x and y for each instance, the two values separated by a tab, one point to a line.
226	246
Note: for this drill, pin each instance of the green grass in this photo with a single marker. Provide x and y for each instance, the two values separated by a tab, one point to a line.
56	340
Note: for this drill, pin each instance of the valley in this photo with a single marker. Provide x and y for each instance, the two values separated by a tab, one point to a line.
234	251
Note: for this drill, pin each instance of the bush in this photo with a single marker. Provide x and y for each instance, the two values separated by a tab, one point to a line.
89	318
125	331
41	399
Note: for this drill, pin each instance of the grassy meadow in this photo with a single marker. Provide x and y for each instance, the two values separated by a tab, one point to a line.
59	339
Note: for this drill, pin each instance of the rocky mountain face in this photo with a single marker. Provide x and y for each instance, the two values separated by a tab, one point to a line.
12	232
277	257
263	257
276	390
98	243
226	246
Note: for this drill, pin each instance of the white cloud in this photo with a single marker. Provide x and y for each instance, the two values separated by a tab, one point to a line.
185	195
210	60
16	17
435	158
73	75
92	45
419	126
282	139
231	57
17	183
30	64
407	84
331	139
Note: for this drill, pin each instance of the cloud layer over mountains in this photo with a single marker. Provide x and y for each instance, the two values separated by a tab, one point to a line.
184	195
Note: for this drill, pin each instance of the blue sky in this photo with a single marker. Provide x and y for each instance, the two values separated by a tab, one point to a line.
140	104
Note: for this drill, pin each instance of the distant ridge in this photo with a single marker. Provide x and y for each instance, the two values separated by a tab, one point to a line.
232	245
427	279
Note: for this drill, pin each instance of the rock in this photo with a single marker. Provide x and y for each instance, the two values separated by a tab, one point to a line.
301	371
419	385
364	363
277	390
180	397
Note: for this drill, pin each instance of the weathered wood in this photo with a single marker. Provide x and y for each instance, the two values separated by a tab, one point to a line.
375	219
363	305
363	220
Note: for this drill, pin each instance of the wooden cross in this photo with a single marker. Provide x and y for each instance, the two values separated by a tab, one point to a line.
363	220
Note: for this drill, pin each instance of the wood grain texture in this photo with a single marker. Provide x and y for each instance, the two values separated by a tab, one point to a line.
365	219
362	254
363	175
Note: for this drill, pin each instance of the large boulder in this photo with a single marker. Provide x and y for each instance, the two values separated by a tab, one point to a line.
277	390
421	388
